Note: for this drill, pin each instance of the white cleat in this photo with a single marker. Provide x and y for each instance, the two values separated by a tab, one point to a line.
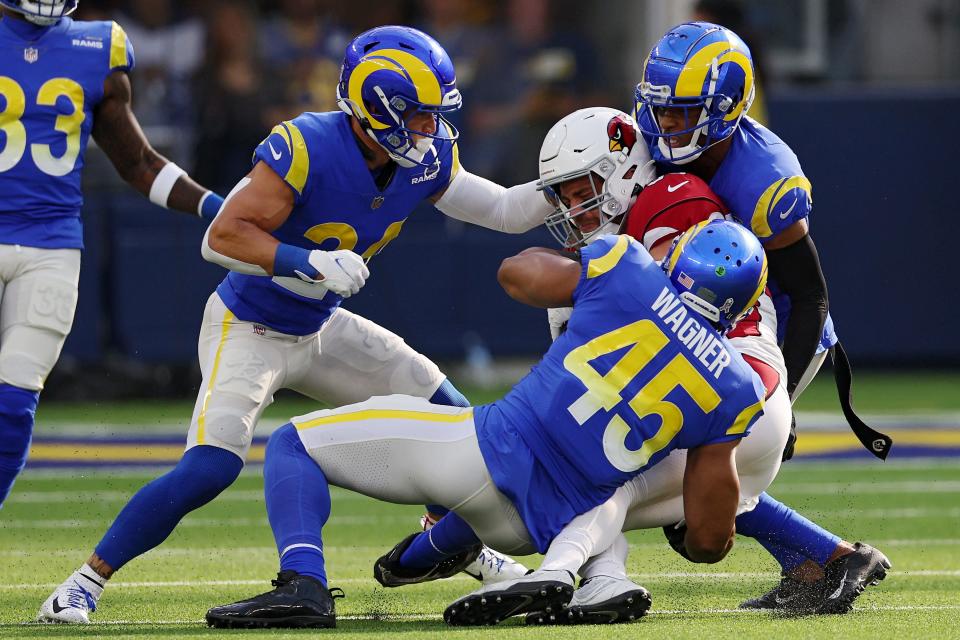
546	591
599	600
493	567
72	601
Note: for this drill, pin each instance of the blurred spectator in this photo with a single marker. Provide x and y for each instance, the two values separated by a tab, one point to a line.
239	100
730	14
304	46
534	75
169	48
460	26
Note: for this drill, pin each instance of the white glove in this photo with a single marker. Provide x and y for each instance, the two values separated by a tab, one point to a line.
557	318
342	272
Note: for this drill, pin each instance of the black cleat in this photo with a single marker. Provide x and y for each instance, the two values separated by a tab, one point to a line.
388	571
847	577
297	602
599	600
789	596
498	602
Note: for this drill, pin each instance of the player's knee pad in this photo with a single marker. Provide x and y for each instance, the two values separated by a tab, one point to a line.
449	395
204	472
17	409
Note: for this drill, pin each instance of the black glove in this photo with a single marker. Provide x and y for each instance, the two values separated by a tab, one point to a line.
791	439
675	534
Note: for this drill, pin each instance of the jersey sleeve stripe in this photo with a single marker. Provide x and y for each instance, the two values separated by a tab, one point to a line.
383	414
202	418
745	419
599	266
760	223
118	46
285	134
300	164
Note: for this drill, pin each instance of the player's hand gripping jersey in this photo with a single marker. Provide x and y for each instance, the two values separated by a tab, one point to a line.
49	90
670	205
636	375
338	205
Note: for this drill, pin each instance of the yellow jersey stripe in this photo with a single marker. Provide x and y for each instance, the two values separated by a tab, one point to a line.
118	46
300	163
456	162
743	420
599	266
385	414
202	418
760	223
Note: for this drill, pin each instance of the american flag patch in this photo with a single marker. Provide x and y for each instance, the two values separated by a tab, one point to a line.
685	280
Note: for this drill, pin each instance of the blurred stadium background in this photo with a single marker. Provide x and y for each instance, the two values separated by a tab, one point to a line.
865	91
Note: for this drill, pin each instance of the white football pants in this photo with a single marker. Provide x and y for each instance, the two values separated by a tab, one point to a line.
406	450
243	364
38	298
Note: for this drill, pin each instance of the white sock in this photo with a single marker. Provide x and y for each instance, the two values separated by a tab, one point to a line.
612	562
90	580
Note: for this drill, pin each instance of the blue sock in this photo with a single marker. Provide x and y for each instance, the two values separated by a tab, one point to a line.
17	408
155	510
787	535
448	537
298	503
449	395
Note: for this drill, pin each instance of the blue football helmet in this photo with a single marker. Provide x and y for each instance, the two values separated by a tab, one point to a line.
705	70
388	75
42	12
719	269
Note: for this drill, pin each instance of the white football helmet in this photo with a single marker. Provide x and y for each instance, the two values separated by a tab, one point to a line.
598	142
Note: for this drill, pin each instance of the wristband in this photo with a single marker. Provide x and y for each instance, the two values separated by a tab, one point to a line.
289	259
163	183
209	206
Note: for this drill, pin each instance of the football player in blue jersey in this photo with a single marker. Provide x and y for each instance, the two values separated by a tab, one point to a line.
61	81
691	106
327	191
638	373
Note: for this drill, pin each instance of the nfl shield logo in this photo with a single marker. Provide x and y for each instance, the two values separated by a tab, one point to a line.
30	54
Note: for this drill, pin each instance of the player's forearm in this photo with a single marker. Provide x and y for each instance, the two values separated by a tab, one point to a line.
796	270
471	198
240	246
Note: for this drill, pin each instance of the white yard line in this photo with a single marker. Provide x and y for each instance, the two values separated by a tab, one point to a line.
672	575
427	617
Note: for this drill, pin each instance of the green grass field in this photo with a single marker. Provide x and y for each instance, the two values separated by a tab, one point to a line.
223	552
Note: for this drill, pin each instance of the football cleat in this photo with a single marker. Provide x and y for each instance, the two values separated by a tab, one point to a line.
847	577
599	600
845	580
789	596
70	603
547	591
491	567
390	573
297	602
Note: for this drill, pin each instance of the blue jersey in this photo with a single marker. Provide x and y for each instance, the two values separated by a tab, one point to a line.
636	375
337	205
49	88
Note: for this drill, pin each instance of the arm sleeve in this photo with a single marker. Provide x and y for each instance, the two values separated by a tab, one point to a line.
476	200
796	270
